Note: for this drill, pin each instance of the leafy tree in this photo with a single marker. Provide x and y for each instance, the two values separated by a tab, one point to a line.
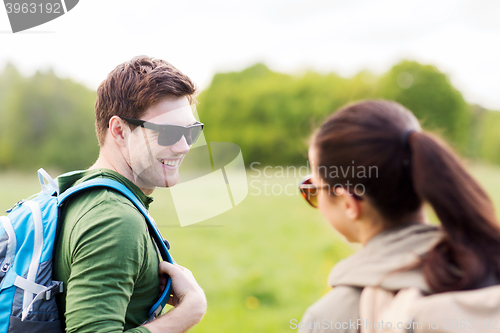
429	94
489	137
271	115
46	122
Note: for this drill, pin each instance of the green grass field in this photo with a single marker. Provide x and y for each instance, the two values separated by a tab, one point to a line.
261	263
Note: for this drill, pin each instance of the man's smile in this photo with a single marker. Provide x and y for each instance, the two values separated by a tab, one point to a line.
170	162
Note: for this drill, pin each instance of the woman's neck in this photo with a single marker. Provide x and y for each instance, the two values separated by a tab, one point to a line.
372	228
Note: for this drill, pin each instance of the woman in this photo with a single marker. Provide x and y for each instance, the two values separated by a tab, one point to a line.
373	168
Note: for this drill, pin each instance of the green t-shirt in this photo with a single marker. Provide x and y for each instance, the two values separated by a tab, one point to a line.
106	258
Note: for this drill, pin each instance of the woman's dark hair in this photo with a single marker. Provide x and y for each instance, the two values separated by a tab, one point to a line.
409	171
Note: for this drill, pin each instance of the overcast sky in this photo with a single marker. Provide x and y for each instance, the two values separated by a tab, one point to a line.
460	37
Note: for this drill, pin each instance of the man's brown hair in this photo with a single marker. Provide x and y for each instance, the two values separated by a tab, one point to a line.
133	86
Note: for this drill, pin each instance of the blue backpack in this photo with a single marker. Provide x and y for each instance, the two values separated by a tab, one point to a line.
27	237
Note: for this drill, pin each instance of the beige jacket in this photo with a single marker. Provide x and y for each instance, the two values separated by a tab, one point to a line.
392	249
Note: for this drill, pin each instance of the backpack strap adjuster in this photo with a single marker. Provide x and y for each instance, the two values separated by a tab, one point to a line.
40	292
5	267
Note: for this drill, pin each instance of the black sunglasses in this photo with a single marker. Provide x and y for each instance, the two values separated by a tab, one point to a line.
170	134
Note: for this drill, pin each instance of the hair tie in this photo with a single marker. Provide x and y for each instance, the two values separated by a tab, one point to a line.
406	146
404	139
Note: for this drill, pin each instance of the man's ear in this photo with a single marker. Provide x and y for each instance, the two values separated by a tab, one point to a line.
118	131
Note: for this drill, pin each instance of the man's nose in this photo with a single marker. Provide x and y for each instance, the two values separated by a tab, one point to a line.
181	146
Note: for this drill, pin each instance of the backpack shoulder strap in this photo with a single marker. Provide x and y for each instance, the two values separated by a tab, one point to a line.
377	304
115	185
106	183
476	310
153	230
372	304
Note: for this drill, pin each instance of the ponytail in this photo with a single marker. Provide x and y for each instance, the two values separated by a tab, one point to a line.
469	252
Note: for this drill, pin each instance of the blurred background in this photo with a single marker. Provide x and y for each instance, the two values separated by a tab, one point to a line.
269	72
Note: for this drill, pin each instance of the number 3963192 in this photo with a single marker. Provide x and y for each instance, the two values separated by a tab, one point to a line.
33	8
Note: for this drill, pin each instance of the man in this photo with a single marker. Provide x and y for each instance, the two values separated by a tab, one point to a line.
104	253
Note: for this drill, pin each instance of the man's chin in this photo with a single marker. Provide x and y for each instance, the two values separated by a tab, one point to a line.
150	180
168	182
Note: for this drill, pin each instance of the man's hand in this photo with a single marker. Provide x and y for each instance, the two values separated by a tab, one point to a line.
183	284
187	297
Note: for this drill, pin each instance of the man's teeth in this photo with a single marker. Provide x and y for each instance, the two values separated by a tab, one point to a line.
170	162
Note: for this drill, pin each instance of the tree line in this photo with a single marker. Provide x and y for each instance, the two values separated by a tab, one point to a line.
271	115
47	121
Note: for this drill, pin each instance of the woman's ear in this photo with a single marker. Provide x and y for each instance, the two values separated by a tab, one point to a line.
117	129
352	206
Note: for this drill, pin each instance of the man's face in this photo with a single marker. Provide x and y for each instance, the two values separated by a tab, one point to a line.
154	165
